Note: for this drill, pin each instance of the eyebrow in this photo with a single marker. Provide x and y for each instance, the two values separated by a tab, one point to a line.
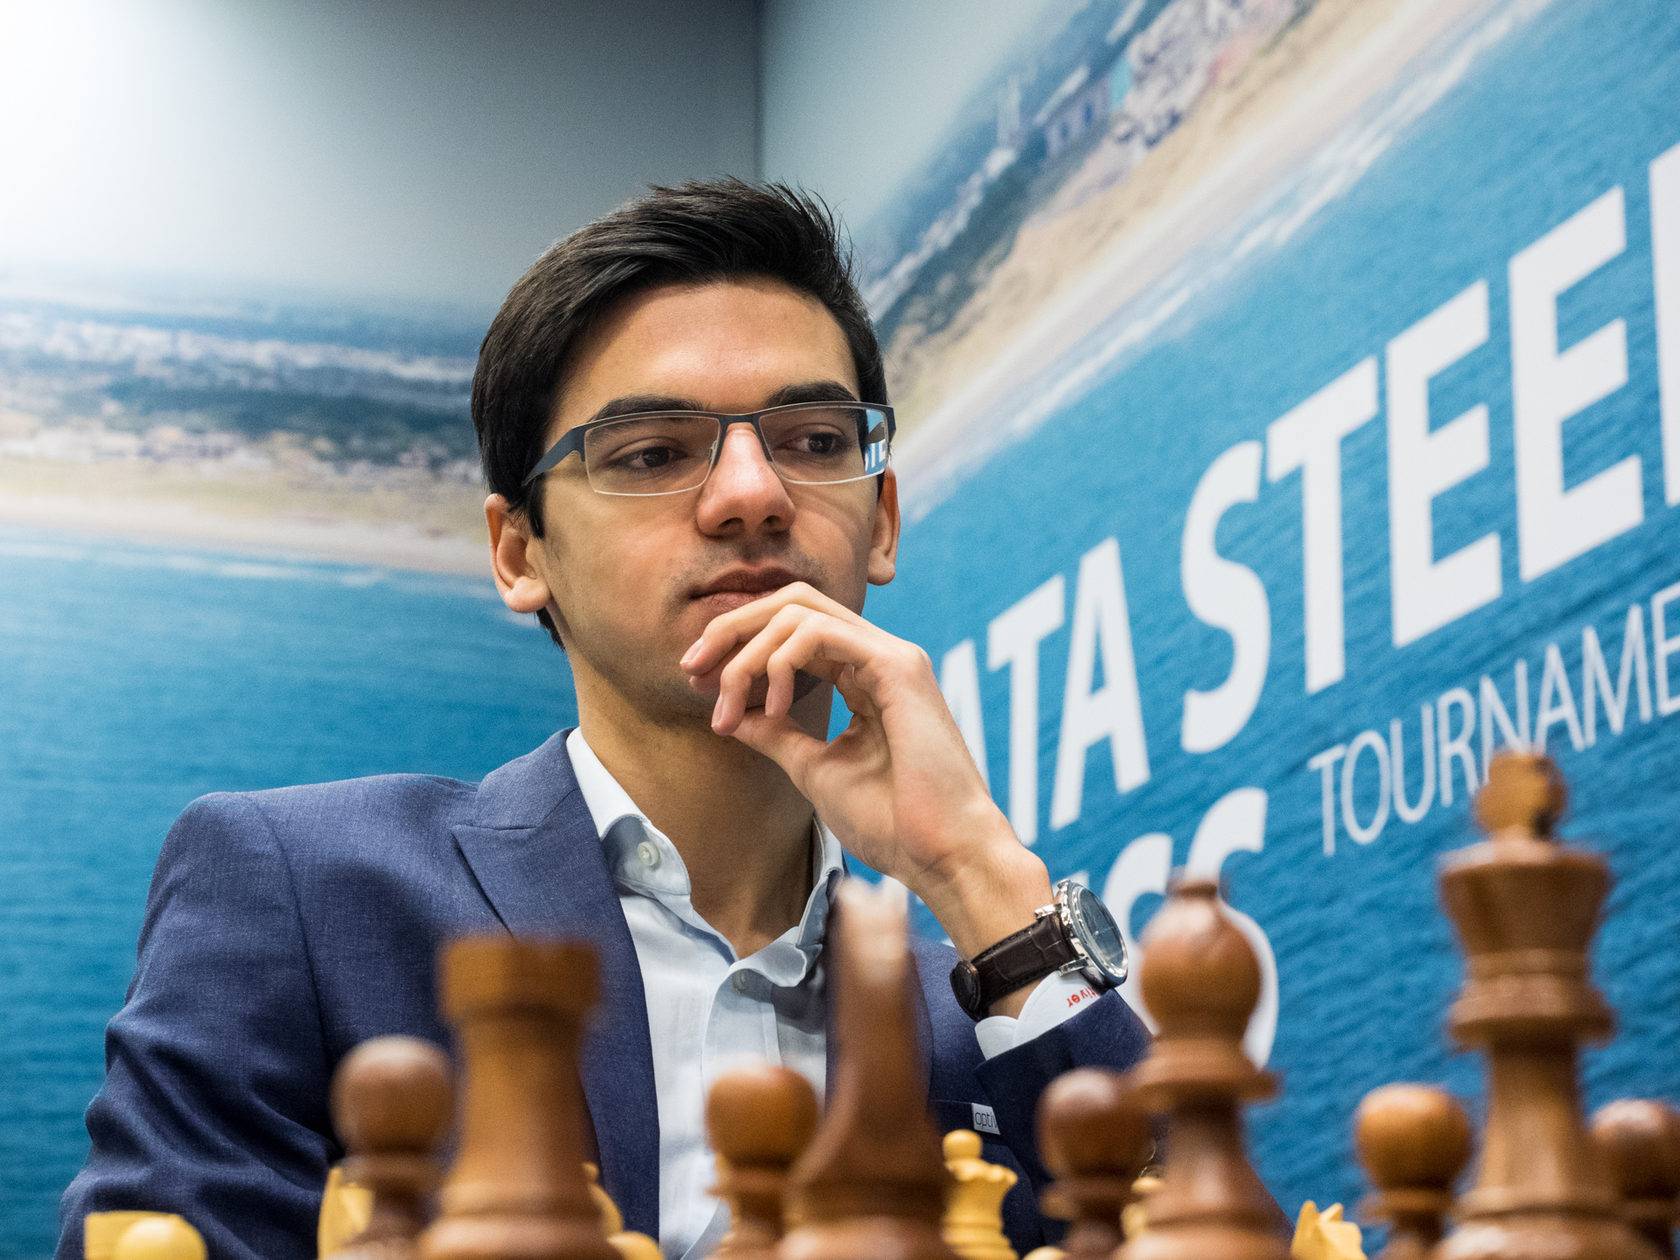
804	391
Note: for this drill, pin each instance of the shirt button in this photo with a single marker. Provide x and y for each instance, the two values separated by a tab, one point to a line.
740	982
648	852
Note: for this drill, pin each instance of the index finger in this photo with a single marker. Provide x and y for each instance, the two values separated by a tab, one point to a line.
729	630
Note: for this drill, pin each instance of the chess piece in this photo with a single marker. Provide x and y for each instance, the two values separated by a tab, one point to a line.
759	1118
973	1222
1525	909
517	1190
629	1244
1201	982
1325	1235
140	1236
392	1101
1134	1217
871	1184
1095	1141
1414	1141
1640	1140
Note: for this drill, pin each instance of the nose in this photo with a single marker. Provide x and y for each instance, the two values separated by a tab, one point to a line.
743	494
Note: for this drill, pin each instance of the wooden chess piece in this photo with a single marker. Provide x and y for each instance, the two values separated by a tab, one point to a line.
1525	909
1201	982
973	1222
160	1237
140	1236
1414	1141
1640	1139
872	1183
628	1243
1095	1140
392	1101
760	1119
517	1190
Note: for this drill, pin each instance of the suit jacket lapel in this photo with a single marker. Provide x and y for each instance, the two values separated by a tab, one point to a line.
535	852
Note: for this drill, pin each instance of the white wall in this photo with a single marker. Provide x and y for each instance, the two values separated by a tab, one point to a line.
382	148
855	96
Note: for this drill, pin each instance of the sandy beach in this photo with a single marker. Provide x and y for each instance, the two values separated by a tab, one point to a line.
1093	247
440	530
1073	265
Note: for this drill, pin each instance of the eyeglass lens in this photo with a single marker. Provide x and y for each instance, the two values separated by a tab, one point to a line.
671	452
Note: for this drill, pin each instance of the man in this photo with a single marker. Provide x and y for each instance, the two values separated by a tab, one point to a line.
684	426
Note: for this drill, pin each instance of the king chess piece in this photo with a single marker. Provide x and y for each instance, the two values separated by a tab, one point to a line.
1414	1141
392	1103
517	1189
1525	909
1201	982
871	1185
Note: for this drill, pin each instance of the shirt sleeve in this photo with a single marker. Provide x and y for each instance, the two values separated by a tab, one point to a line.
1057	997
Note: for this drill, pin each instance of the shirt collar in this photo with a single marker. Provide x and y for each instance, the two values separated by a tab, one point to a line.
642	859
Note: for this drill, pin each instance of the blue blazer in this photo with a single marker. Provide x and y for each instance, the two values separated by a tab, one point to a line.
284	927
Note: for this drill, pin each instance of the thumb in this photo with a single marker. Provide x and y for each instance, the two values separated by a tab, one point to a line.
781	740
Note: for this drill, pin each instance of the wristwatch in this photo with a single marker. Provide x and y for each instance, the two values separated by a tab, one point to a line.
1075	932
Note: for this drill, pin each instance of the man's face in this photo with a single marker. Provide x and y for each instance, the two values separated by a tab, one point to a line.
634	580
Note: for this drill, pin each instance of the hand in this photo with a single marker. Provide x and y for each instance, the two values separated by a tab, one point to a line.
898	786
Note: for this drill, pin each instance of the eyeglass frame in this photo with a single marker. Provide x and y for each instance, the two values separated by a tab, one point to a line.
572	440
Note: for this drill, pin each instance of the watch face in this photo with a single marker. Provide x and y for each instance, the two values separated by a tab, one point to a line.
1098	933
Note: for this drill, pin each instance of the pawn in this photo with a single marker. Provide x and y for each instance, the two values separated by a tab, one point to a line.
1201	982
760	1119
161	1237
1413	1140
1096	1142
1640	1140
973	1222
392	1101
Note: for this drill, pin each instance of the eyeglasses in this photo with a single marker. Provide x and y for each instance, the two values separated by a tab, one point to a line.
667	452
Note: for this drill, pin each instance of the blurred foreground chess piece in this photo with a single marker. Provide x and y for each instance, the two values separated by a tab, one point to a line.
1095	1141
760	1119
872	1183
1325	1235
629	1244
140	1236
1201	982
392	1103
973	1222
1640	1139
517	1190
1525	909
1414	1141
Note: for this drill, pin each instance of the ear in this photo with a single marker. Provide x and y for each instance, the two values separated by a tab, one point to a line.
512	558
883	544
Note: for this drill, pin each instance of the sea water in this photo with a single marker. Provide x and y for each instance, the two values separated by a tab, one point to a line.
1495	138
135	678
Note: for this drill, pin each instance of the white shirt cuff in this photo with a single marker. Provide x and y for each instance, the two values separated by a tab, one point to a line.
1057	997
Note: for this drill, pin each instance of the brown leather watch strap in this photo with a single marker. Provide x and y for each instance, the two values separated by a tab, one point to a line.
1023	957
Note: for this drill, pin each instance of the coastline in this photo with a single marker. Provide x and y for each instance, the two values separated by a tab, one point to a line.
412	532
1069	270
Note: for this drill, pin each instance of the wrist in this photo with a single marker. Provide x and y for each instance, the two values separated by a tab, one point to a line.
993	892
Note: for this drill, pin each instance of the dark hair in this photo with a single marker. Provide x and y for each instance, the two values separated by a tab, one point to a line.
714	230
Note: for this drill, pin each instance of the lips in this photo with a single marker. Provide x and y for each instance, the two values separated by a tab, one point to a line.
750	582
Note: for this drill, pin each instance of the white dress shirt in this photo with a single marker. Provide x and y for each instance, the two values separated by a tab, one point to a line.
708	1009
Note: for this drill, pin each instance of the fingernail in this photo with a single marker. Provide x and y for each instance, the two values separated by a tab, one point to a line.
693	650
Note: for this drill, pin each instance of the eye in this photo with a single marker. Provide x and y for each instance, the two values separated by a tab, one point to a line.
819	441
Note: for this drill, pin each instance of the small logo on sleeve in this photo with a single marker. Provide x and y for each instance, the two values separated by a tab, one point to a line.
985	1121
